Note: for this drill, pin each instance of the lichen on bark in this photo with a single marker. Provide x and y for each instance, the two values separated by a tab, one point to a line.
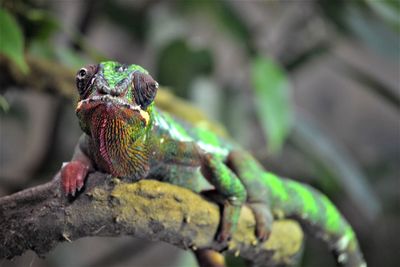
148	209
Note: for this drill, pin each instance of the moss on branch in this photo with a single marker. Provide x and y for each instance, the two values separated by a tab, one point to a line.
39	218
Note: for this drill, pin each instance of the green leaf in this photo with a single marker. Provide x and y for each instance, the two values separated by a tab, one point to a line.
272	98
179	57
12	40
42	24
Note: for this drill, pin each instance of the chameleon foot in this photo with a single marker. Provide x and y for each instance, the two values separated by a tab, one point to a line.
223	237
224	234
263	219
73	175
229	186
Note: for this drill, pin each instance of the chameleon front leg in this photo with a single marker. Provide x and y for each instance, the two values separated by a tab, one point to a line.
250	172
228	185
74	172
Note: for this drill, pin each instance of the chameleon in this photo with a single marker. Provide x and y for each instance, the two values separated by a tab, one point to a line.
127	136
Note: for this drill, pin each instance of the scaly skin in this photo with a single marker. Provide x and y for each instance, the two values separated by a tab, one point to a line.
127	136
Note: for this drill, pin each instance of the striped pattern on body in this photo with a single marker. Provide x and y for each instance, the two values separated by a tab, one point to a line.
285	198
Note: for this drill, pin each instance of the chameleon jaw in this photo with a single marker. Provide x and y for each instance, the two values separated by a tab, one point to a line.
107	99
103	99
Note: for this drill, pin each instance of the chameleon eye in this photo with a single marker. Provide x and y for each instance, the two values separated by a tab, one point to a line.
82	73
84	78
144	89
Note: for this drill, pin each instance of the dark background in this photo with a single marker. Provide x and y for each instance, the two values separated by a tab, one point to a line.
311	88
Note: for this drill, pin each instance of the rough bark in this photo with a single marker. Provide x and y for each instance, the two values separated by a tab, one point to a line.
41	217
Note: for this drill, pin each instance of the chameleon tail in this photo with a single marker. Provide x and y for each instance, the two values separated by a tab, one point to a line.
290	199
316	213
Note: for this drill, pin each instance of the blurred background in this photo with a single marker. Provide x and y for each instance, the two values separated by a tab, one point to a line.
311	88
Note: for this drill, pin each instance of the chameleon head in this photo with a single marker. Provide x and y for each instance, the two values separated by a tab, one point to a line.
114	94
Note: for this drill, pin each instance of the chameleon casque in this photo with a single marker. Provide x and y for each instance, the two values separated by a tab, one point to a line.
127	136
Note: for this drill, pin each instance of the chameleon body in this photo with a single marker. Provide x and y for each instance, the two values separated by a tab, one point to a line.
127	136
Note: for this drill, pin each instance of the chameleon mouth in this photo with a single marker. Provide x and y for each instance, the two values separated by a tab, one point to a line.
106	99
111	101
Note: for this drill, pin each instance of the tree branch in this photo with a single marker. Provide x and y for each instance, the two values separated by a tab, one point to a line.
44	76
41	217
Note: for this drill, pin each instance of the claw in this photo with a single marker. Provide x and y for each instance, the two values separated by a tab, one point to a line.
262	235
221	246
65	185
263	219
79	187
224	238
